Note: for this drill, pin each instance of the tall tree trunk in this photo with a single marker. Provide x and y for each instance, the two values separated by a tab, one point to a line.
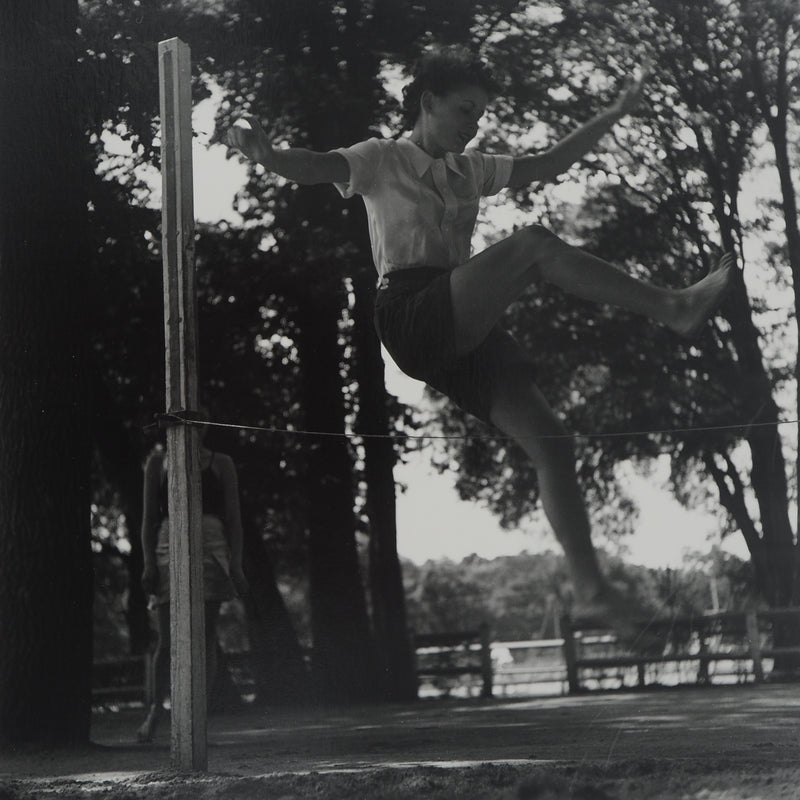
45	566
768	470
276	657
768	465
789	203
395	658
343	663
774	104
393	645
344	657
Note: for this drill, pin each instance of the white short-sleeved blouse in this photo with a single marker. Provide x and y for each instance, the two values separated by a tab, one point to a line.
421	210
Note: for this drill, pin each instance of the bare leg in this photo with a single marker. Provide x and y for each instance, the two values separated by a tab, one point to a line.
481	290
487	284
160	677
520	411
211	615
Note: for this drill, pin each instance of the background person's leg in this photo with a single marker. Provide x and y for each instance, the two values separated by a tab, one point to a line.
161	675
211	616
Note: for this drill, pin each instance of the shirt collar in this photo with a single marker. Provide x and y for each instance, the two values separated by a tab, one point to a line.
421	161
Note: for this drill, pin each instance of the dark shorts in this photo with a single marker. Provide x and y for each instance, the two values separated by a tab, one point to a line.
414	320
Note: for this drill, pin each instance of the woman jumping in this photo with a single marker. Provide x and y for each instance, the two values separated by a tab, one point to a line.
437	307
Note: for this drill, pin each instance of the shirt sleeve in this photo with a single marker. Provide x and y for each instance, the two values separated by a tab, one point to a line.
496	172
363	159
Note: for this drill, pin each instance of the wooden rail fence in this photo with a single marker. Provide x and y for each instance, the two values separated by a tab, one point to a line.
467	660
444	656
739	637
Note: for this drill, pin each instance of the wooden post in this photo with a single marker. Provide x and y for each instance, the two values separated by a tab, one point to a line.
703	675
570	655
188	685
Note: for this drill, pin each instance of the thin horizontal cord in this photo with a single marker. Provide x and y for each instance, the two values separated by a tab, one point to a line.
177	419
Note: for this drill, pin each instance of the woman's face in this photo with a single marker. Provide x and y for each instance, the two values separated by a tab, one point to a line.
451	120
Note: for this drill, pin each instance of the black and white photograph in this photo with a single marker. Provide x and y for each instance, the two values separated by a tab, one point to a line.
399	399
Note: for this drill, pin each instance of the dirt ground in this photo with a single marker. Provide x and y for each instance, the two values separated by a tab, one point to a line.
720	743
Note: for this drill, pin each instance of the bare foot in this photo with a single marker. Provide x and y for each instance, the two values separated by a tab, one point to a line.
698	302
148	728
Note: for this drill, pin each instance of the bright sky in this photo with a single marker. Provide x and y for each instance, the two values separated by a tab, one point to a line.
432	520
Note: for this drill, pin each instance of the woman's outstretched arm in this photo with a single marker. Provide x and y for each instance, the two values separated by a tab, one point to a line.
559	158
295	163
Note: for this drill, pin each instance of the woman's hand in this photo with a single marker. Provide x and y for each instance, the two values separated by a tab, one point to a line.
252	141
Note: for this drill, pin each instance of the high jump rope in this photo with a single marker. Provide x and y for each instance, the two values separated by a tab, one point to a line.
170	419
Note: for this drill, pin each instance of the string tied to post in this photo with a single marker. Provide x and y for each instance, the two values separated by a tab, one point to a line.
169	419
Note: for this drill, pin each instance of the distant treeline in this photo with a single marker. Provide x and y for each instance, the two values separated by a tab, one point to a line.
521	596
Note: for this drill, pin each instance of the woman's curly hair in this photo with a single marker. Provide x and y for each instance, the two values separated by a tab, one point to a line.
441	71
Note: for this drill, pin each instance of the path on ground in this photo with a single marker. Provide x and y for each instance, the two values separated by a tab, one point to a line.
754	729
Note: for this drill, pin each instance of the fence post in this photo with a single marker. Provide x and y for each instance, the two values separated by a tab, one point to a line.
703	675
188	674
754	644
570	657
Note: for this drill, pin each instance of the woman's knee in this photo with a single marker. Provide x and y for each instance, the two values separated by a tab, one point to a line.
518	403
520	411
540	245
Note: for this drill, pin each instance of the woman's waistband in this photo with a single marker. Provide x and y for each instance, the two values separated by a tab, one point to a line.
409	274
